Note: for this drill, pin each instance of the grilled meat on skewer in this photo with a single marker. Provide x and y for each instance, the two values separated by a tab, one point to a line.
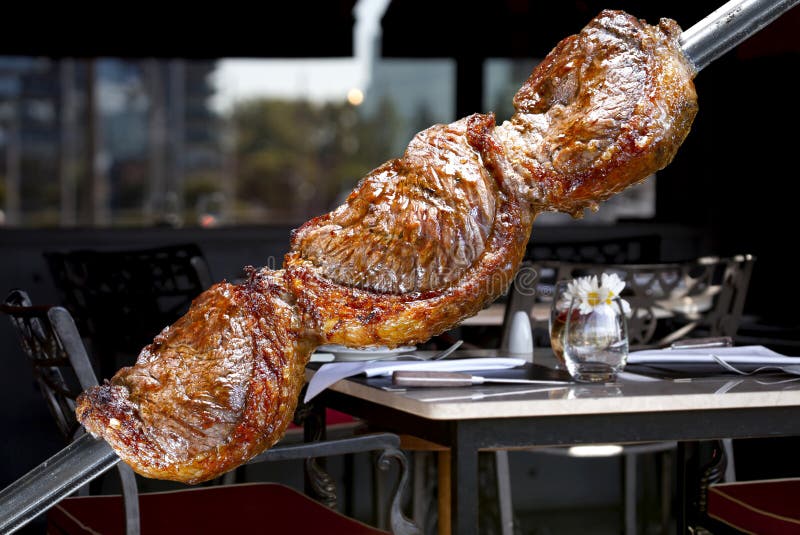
423	242
214	389
409	255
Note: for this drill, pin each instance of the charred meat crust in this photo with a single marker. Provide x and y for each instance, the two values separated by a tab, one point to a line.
414	224
358	317
211	391
604	110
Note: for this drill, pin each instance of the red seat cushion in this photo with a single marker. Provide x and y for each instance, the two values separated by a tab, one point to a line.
245	508
770	506
333	417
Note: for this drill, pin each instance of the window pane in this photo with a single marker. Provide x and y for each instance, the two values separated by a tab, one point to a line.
172	142
295	158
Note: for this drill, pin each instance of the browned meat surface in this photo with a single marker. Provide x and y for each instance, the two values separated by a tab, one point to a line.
414	224
424	242
605	109
211	391
481	269
429	239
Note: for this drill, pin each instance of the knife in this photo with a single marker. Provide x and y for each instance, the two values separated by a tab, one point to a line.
436	378
696	343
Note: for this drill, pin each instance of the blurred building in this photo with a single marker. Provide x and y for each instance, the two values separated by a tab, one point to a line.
103	142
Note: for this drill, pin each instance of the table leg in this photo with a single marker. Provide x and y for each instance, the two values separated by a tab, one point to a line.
445	493
464	471
680	506
504	498
687	480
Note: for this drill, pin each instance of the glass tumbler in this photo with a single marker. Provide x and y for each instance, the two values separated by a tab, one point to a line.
559	308
595	342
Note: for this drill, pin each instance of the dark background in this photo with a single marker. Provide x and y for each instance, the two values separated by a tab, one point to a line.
729	190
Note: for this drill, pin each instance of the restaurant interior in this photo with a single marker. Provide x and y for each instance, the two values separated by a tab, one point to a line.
213	134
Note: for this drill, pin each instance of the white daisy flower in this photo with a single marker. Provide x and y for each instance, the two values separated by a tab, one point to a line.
573	290
591	293
612	285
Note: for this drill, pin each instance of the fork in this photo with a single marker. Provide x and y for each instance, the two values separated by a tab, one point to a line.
793	369
439	356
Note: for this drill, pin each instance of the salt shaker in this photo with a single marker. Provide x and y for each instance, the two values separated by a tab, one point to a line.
520	340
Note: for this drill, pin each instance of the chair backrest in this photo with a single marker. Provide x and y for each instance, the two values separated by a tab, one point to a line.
621	250
61	367
122	299
51	342
668	301
536	276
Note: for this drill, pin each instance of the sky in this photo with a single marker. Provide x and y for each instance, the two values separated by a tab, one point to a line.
313	79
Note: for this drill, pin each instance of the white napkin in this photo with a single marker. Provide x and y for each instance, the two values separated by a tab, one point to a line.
335	371
744	356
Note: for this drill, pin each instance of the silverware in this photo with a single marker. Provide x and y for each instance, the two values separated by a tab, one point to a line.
477	396
439	356
446	353
694	343
793	369
438	378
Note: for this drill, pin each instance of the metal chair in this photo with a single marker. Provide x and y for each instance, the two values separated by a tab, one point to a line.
539	271
621	250
764	501
121	299
62	368
669	301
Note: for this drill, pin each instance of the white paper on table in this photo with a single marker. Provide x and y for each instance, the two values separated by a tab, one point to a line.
745	357
332	372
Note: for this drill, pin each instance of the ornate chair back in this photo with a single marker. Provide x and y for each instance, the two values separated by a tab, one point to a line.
61	367
535	280
122	299
54	348
701	297
622	250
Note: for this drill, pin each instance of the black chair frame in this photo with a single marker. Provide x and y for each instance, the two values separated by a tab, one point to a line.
120	299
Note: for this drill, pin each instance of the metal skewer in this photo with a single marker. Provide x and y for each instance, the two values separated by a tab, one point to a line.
728	26
60	475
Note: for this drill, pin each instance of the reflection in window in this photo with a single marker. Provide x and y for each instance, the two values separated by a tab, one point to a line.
105	141
123	142
117	142
298	158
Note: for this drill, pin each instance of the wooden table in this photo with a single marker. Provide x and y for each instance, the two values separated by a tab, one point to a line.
497	417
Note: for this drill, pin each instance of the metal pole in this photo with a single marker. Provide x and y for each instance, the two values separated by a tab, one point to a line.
728	26
14	164
60	475
176	132
67	157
